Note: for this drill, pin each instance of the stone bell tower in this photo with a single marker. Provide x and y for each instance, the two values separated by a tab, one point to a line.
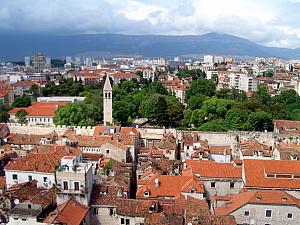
107	102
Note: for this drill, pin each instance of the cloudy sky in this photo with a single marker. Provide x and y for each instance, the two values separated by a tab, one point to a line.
269	22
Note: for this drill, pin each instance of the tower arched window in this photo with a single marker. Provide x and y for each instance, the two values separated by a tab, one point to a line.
105	94
108	94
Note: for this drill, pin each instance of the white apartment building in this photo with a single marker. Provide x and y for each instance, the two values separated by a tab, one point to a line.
242	82
209	59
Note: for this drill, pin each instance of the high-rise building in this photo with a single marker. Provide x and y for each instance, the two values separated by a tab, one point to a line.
38	62
88	62
27	61
107	102
77	61
69	60
48	62
209	59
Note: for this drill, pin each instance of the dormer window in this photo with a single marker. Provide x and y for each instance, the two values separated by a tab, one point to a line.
192	190
119	193
294	157
146	194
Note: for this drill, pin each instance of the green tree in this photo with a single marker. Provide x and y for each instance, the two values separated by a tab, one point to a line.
22	101
217	108
155	109
259	121
174	109
215	125
295	114
4	113
78	114
196	101
236	118
187	115
21	116
287	97
198	117
202	86
263	95
270	73
34	89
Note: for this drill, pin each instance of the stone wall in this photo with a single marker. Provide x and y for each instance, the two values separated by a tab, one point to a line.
43	130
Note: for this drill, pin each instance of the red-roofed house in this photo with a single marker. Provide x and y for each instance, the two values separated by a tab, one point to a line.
272	174
261	207
69	213
38	112
40	164
169	187
218	178
4	99
22	87
117	77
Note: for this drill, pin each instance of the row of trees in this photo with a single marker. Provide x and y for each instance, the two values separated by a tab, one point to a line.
131	99
211	110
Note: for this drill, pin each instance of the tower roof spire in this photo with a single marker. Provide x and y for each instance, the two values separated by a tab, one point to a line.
107	84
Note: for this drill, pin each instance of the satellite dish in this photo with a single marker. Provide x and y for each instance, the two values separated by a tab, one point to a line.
16	201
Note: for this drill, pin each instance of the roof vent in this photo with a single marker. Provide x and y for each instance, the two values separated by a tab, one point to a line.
156	181
284	199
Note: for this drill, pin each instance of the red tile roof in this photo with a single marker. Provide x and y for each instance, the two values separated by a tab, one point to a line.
70	213
24	83
170	186
287	126
265	197
40	109
3	93
211	169
256	172
42	159
125	75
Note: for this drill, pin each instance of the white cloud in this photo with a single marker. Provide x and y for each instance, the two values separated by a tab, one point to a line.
270	22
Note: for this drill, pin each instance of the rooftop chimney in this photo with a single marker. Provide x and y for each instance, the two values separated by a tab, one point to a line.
156	181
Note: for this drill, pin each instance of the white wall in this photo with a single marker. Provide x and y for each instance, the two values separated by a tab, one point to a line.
23	177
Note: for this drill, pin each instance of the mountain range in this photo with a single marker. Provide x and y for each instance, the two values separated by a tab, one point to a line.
16	46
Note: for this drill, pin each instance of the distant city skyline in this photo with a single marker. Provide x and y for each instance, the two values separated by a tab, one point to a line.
272	23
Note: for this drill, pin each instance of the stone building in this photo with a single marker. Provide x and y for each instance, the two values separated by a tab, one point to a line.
107	102
261	207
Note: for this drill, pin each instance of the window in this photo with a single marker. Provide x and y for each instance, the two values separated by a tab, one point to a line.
29	178
231	184
76	186
192	190
111	212
146	194
29	206
127	222
122	221
212	184
107	151
65	183
246	213
45	179
95	210
290	215
268	213
15	177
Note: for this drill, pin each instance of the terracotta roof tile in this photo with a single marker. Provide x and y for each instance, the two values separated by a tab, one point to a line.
40	109
265	197
71	213
42	159
211	169
170	186
261	173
